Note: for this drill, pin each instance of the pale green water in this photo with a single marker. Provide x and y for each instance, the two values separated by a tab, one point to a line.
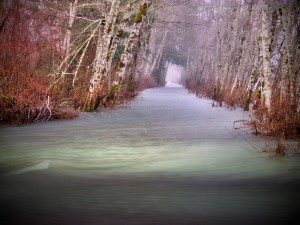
168	158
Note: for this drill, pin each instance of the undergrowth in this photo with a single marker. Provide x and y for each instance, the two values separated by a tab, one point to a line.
281	120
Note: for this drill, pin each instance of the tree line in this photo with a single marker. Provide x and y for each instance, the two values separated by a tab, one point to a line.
240	53
58	56
247	54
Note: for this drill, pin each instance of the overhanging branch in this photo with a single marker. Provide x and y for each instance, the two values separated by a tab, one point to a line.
178	22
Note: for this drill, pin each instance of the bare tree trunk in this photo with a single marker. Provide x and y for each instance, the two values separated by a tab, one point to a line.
102	57
120	29
67	40
104	44
132	40
158	56
287	67
265	35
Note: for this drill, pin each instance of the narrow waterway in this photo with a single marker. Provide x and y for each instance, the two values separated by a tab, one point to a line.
166	158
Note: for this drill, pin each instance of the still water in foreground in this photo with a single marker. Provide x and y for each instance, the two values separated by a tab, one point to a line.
167	158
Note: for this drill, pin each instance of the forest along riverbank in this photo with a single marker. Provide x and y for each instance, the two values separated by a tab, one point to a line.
168	158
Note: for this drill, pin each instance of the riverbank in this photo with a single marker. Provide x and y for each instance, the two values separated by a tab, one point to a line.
19	110
15	114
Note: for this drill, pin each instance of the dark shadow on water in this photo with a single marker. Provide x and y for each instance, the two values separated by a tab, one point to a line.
148	199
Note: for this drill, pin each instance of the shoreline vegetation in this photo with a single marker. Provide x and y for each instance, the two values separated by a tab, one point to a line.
281	122
60	58
15	112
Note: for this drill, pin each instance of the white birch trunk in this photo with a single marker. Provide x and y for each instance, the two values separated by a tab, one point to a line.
67	40
121	27
129	47
103	47
287	66
102	51
265	35
158	56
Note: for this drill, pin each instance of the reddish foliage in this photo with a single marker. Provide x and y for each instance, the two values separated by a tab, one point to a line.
27	48
144	83
281	120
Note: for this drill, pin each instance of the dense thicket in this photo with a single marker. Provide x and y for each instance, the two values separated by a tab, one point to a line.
59	55
247	54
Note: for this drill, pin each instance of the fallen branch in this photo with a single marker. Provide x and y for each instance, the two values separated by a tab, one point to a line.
246	124
47	106
43	112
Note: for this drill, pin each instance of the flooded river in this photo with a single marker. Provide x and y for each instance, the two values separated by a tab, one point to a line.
166	158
